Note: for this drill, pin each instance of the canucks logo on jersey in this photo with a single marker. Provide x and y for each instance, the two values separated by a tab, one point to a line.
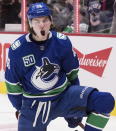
46	76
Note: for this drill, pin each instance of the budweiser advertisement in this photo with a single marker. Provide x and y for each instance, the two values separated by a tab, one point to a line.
94	62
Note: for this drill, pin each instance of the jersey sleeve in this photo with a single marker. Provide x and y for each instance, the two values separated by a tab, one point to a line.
12	81
71	63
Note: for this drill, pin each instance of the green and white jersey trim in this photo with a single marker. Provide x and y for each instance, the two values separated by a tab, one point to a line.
13	88
11	83
14	93
50	93
97	121
72	74
94	126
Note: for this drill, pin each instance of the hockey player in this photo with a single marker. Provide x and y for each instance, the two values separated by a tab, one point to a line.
42	79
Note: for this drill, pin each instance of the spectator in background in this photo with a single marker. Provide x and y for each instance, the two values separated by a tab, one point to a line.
6	12
62	16
84	20
100	15
94	15
107	14
113	27
69	28
9	12
16	7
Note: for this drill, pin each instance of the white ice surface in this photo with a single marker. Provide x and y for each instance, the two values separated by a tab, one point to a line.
8	121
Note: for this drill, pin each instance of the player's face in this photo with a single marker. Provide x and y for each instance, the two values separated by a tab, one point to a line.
41	24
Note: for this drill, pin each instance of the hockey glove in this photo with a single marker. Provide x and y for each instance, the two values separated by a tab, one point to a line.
73	122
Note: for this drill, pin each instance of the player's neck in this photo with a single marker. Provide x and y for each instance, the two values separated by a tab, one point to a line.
40	38
36	41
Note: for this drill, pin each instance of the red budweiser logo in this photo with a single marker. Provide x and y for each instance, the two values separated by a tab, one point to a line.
94	62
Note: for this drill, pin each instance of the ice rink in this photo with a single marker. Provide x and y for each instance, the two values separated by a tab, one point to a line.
8	121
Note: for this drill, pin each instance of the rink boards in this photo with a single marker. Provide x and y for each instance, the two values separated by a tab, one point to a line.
96	57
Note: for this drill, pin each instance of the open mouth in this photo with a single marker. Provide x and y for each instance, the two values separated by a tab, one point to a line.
42	32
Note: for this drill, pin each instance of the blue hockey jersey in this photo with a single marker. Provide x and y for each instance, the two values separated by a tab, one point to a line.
40	70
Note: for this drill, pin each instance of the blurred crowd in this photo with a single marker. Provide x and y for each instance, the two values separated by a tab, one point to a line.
96	16
62	12
9	11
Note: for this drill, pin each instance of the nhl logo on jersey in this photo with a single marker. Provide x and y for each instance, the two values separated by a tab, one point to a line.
61	36
39	6
46	76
